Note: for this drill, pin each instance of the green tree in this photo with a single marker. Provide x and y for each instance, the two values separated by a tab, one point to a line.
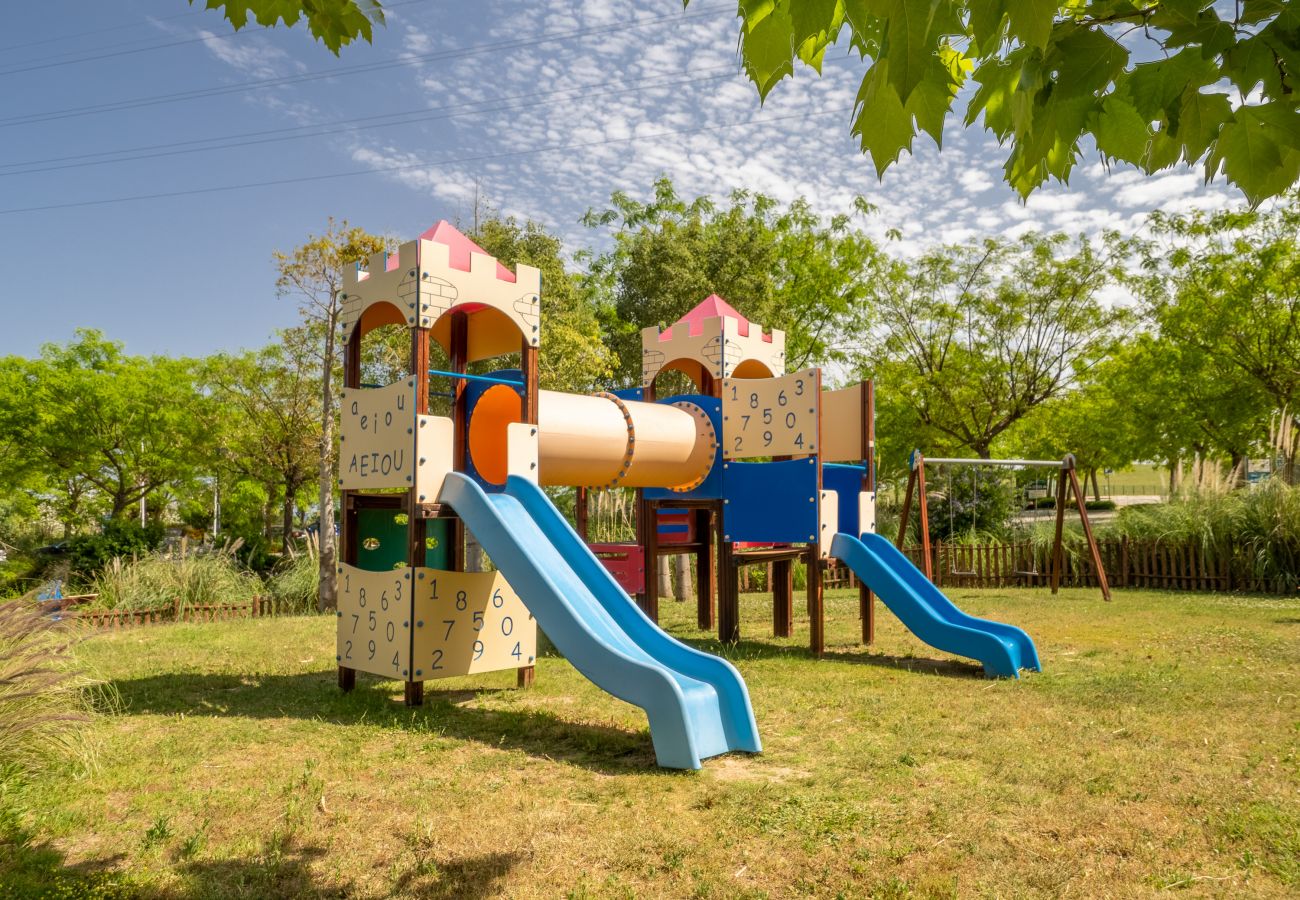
973	338
313	275
267	426
332	22
1151	81
786	269
1225	287
572	357
97	425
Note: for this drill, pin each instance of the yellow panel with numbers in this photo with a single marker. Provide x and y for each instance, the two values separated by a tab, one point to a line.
770	416
469	622
374	619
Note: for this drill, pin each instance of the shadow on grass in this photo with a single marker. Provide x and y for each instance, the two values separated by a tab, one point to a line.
466	877
286	873
29	869
756	650
315	696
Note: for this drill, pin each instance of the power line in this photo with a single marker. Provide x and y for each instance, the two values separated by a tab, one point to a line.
411	117
409	60
436	164
247	30
74	35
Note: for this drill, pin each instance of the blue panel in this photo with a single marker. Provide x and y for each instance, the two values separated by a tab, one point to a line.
711	487
847	482
632	393
770	501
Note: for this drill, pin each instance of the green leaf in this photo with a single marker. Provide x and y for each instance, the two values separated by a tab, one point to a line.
1120	131
1251	62
882	124
912	31
986	25
999	81
1030	21
1252	156
1157	87
768	49
1199	119
1083	61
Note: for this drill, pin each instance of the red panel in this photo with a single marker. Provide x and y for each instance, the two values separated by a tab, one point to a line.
676	526
626	562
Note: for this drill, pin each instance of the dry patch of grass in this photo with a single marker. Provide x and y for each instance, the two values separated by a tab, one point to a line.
1156	753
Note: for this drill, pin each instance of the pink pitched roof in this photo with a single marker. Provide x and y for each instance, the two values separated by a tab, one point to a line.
711	307
461	247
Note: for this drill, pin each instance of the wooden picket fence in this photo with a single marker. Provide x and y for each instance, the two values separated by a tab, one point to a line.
1152	564
113	619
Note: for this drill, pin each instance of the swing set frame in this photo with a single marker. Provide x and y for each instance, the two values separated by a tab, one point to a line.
1067	483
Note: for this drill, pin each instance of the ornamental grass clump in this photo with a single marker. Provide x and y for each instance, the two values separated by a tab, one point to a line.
44	696
165	580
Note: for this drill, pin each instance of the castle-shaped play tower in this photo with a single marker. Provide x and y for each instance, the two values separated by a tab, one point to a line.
756	464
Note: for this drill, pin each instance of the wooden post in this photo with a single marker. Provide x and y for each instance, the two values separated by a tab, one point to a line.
347	550
528	361
925	517
866	600
650	538
1093	549
416	524
782	587
582	514
728	587
706	569
1057	549
816	606
907	509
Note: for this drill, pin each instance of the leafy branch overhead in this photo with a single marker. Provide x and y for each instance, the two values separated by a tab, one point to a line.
1153	82
332	22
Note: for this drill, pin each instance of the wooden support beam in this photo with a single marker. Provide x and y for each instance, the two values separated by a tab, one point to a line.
706	569
782	588
1058	554
1093	550
728	588
816	606
867	600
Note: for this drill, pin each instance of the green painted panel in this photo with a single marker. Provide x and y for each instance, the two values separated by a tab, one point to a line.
381	540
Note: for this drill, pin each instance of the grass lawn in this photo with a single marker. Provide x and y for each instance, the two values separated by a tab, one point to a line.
1158	752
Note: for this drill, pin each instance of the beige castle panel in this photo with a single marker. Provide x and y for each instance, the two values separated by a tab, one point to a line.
377	443
521	450
374	621
500	311
770	416
842	425
468	622
719	348
867	511
830	519
434	455
377	283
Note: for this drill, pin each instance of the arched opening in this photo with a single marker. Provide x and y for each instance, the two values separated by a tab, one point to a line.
752	368
498	407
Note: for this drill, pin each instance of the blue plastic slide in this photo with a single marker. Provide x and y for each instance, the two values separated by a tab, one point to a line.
1003	649
697	704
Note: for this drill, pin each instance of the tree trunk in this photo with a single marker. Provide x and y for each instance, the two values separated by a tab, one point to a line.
1240	463
665	574
287	517
328	598
1096	488
683	577
1175	476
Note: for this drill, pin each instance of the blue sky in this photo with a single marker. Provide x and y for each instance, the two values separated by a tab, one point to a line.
548	107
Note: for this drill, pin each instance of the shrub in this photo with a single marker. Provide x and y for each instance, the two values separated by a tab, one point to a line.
89	553
159	581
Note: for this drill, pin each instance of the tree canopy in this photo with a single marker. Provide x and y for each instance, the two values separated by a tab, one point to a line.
1154	83
334	23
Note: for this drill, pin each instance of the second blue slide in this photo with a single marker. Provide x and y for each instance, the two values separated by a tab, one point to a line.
697	704
1003	649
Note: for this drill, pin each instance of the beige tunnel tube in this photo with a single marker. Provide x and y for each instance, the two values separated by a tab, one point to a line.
597	441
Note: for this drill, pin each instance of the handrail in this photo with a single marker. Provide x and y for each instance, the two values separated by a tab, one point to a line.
486	379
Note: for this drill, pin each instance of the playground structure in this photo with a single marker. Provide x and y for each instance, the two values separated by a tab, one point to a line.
746	467
1067	483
